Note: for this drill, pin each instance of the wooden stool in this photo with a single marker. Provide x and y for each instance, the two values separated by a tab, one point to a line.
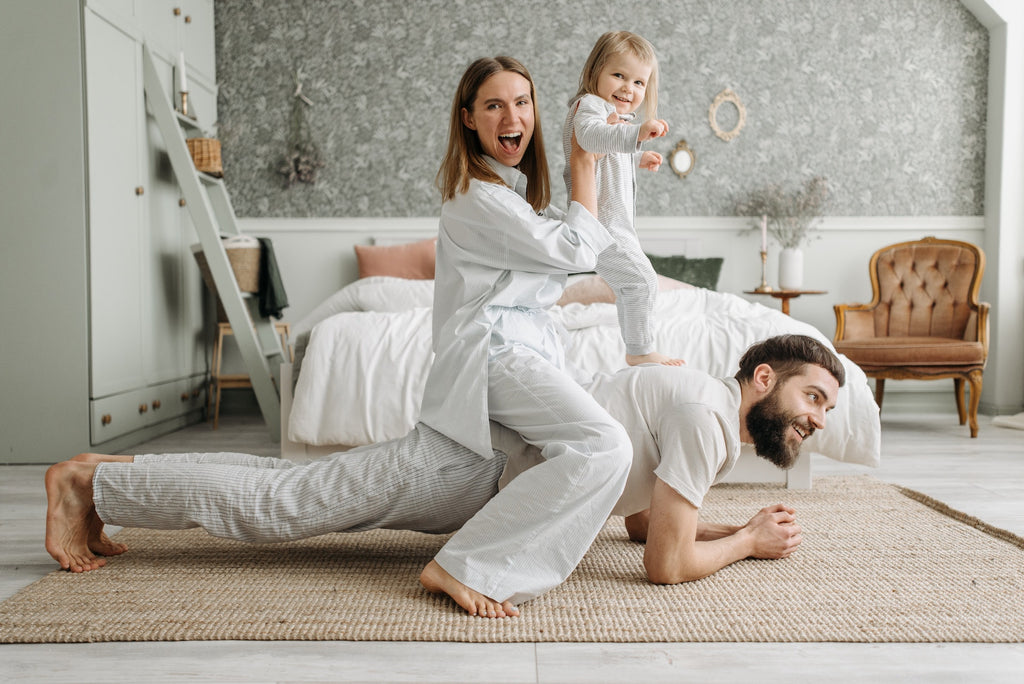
219	381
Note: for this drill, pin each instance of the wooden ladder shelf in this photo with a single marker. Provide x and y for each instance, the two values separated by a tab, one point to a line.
210	207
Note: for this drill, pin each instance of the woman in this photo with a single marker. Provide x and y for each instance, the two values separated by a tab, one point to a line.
503	256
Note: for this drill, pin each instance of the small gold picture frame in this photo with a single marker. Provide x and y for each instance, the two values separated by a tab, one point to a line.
727	95
682	159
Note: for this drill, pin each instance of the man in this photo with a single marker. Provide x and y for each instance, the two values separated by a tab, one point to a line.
685	426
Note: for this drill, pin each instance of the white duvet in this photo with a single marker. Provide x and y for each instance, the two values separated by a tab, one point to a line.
367	359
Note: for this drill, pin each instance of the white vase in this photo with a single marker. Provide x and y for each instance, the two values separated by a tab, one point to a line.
791	268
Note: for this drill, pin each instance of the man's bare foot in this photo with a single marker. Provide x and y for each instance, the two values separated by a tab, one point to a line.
68	509
102	458
653	357
99	542
436	579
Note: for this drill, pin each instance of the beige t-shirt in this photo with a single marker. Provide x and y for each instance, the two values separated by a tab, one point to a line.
683	423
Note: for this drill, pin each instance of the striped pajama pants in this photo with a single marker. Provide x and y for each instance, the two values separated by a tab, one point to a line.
423	482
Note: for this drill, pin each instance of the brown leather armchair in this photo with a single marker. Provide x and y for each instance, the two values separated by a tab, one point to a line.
924	321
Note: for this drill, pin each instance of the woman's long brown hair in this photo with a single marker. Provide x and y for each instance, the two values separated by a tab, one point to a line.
464	158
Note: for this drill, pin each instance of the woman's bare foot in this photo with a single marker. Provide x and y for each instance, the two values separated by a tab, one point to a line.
436	579
68	509
653	357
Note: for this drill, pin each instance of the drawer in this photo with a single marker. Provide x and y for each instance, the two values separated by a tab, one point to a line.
126	412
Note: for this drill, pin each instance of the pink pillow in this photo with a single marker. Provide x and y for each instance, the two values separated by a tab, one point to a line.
413	261
595	290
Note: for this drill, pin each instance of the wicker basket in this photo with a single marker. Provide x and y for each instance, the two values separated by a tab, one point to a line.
245	262
206	155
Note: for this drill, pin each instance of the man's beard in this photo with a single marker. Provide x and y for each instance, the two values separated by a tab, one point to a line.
769	426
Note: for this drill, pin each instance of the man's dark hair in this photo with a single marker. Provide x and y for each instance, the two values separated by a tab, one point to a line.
787	355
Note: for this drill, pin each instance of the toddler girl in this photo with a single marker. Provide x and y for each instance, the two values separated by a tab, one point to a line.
620	75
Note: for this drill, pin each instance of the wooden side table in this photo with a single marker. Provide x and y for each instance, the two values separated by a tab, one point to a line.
219	380
786	295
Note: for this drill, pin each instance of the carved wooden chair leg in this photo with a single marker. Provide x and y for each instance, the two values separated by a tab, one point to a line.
975	380
879	391
961	408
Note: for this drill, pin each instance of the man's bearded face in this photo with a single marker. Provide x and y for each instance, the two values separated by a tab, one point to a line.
774	430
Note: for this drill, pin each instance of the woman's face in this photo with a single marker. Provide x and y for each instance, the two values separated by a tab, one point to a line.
503	117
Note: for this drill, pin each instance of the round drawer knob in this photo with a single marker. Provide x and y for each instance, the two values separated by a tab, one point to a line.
156	404
105	420
184	396
143	408
139	190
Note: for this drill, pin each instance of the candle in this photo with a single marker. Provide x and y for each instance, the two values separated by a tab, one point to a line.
764	233
182	84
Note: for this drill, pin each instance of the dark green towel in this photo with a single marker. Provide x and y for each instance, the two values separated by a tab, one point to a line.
272	297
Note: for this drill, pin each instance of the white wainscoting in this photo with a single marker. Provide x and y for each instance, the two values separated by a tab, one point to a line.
316	259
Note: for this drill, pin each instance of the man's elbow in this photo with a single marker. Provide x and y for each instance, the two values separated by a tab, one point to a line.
659	572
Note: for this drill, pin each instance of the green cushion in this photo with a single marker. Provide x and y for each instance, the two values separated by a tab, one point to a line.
700	272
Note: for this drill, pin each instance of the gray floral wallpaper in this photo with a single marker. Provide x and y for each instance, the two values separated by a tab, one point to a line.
886	98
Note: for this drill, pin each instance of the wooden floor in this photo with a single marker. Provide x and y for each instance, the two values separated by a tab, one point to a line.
983	477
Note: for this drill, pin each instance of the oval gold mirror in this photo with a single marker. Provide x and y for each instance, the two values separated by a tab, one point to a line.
729	96
682	159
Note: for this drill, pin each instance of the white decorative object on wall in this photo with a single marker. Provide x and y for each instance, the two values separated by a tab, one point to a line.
727	95
791	268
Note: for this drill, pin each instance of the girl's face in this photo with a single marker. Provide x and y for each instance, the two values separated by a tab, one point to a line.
503	117
623	82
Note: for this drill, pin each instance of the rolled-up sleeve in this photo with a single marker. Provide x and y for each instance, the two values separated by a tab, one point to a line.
498	229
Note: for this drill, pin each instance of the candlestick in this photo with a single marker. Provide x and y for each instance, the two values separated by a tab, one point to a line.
182	82
764	286
764	233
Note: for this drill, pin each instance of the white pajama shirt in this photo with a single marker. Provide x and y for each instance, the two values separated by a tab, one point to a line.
623	264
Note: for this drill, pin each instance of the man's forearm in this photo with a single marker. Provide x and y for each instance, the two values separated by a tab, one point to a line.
713	531
672	564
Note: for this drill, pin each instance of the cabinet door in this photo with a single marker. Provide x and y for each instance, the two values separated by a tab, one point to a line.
116	206
196	32
181	26
160	26
196	316
164	343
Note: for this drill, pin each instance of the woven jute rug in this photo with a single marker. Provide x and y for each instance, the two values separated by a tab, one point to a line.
878	564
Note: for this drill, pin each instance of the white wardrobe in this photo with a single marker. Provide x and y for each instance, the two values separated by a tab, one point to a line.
104	335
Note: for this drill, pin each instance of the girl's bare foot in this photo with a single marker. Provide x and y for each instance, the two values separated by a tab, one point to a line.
653	357
68	510
436	579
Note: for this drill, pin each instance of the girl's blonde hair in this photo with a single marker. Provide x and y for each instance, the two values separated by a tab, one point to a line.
616	43
464	157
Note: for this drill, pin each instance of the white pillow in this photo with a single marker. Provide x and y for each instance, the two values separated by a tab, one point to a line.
376	293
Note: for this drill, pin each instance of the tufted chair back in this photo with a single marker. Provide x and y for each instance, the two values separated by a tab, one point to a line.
924	321
926	289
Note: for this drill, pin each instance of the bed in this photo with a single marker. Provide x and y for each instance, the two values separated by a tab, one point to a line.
363	354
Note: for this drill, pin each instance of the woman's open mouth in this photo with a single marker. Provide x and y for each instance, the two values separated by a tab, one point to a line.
510	142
